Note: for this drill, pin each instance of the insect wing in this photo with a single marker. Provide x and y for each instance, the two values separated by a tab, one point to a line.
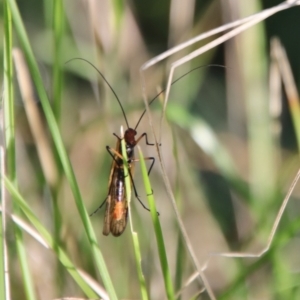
109	199
116	212
106	226
118	218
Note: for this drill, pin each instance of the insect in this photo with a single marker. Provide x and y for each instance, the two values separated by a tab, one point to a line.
116	212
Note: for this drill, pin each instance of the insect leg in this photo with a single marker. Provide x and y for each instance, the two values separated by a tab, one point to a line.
106	199
146	138
113	153
152	164
99	207
136	194
145	158
117	136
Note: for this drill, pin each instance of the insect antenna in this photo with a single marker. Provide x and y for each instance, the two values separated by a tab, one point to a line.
190	71
103	77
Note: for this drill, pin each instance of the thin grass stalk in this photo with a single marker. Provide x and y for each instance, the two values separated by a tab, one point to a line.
5	290
289	86
275	103
135	240
10	153
4	266
202	277
246	23
61	255
157	229
281	239
8	104
58	29
180	253
119	10
138	258
48	11
4	272
31	231
35	120
261	148
62	154
39	132
274	242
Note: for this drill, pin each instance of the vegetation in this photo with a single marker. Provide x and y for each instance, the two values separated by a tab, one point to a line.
227	141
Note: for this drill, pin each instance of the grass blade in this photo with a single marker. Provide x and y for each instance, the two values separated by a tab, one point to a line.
58	26
62	256
64	159
10	153
158	232
135	240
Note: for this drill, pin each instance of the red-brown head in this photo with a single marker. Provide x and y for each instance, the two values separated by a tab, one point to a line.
129	137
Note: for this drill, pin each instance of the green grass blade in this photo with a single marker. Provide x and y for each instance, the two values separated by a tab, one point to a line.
9	97
135	240
3	257
54	130
28	283
62	256
138	259
10	153
295	112
58	26
180	253
158	232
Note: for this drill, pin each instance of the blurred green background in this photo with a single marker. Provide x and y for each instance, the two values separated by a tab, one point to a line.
229	156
